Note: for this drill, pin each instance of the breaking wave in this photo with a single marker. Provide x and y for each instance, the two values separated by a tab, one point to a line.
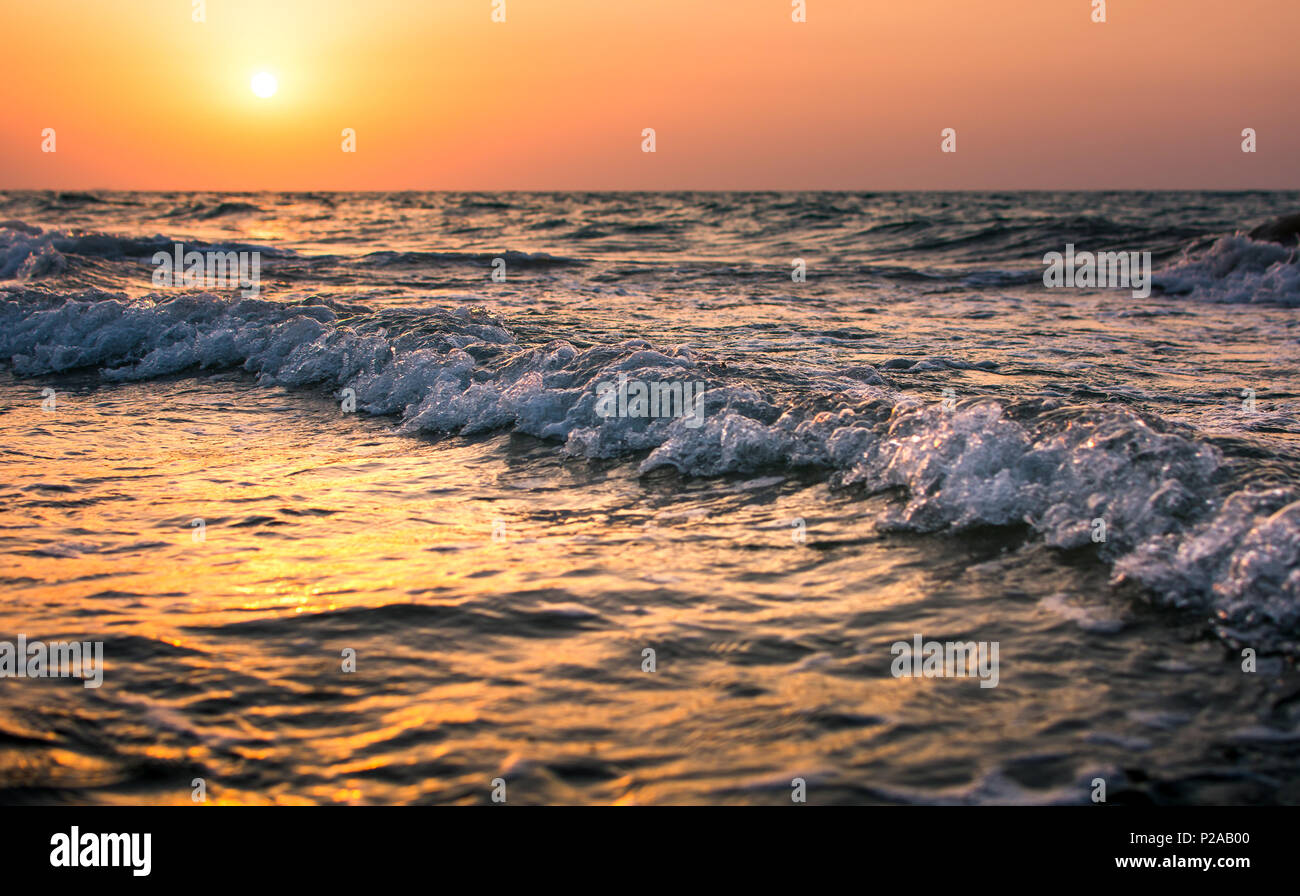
1237	270
1174	525
28	252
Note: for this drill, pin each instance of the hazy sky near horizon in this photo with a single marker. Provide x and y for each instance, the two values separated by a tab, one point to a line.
141	96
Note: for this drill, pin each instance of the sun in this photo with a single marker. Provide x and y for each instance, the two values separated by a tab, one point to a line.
264	84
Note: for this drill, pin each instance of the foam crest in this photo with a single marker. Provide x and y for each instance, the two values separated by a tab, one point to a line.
1236	270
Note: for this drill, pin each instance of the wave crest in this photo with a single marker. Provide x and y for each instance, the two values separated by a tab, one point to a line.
1236	270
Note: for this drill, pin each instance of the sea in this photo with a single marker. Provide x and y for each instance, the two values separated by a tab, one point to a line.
395	521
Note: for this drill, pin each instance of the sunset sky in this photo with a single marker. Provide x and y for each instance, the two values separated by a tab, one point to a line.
143	97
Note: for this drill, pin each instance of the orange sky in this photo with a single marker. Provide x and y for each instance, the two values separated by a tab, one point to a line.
741	97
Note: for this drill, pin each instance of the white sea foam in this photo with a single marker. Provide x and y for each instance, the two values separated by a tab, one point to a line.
1237	270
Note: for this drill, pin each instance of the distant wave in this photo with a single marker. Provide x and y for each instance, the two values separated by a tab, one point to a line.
206	211
1173	526
74	198
512	258
1236	270
28	252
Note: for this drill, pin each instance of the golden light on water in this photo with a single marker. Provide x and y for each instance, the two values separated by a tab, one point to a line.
457	627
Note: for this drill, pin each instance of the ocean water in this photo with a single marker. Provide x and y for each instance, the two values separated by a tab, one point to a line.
390	452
